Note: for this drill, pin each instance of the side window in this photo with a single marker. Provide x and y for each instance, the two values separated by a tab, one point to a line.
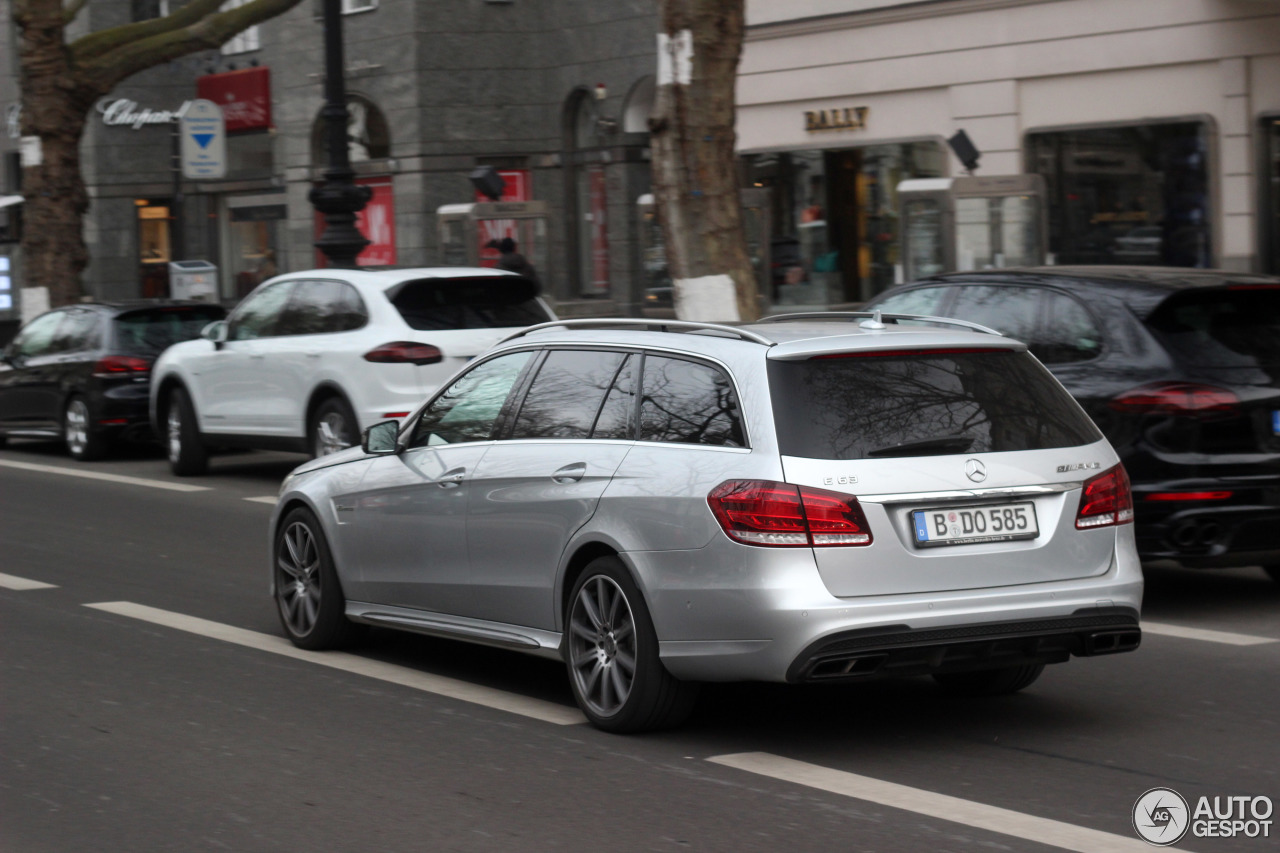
617	415
317	307
688	402
38	336
565	397
259	314
468	408
921	300
1012	311
1071	334
78	331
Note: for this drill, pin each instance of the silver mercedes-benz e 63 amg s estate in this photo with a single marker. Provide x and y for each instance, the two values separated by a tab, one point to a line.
814	498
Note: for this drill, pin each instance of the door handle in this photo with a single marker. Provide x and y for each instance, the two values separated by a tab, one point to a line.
570	473
256	356
452	479
313	353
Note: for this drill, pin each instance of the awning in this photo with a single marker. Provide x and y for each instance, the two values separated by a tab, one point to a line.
10	200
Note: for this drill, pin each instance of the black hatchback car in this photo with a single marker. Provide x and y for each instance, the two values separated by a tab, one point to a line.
83	372
1180	368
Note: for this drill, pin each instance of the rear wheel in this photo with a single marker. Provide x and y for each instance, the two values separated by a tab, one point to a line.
187	455
309	597
990	682
611	651
83	443
333	427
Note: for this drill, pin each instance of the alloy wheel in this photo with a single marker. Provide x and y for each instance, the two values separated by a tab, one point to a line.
602	645
298	578
331	431
175	432
77	426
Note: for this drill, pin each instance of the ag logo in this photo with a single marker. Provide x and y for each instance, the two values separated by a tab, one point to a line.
1161	817
975	470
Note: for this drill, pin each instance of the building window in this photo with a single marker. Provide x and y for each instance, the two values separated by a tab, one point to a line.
1126	195
367	135
145	10
242	42
352	6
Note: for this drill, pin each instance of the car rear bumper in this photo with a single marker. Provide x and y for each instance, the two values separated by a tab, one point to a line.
1242	530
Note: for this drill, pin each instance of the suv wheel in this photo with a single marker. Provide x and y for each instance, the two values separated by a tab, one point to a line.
990	682
333	427
612	655
77	429
309	597
187	456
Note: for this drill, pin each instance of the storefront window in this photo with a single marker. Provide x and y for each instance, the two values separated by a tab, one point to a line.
153	247
1127	195
252	245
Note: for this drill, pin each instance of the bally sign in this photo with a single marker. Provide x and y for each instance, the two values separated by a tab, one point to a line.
848	118
244	97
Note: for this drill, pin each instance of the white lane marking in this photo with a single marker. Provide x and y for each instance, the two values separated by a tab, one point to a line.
892	795
1205	634
265	499
548	712
22	584
99	475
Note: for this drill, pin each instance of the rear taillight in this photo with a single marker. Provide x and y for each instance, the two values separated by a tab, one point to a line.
1105	500
782	515
1175	398
120	366
1189	496
404	352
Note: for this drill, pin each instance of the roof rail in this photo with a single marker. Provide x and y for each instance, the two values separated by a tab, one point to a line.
876	319
646	326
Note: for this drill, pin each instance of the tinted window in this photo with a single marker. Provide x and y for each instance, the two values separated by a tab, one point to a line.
565	396
154	329
1012	311
1071	334
322	306
684	401
617	415
468	408
258	314
37	337
1228	327
468	303
77	332
922	300
919	405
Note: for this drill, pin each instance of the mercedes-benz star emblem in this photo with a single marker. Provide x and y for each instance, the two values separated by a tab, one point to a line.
975	470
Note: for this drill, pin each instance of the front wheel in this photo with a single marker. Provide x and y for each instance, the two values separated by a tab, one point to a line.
83	443
333	427
309	596
187	455
990	682
611	651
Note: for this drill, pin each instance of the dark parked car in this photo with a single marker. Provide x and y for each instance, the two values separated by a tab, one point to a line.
83	372
1180	368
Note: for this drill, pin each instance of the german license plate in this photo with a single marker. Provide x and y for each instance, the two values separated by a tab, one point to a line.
973	524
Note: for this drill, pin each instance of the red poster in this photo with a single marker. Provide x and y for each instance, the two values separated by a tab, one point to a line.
377	222
517	187
599	232
244	96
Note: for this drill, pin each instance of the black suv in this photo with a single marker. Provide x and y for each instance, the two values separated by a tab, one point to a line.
1180	368
83	372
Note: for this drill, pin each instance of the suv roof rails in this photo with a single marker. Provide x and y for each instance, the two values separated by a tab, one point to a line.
647	326
877	319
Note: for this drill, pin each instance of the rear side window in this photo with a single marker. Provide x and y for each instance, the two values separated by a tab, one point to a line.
565	396
317	307
688	402
1011	311
468	303
878	406
1070	335
920	300
1221	327
152	330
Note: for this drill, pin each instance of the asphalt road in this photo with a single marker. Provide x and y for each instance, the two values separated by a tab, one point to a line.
148	703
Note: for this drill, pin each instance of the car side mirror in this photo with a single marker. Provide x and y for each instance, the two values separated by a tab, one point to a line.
381	439
215	332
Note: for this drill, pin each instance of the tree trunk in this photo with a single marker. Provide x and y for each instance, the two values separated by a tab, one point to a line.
695	172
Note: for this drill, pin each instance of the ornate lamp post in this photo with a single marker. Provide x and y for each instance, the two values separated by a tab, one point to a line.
339	198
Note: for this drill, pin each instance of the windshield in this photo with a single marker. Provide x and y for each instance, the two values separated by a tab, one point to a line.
468	303
152	330
1234	326
866	405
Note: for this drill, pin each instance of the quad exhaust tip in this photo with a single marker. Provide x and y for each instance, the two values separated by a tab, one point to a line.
1111	642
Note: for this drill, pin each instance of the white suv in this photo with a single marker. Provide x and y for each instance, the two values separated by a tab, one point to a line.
310	358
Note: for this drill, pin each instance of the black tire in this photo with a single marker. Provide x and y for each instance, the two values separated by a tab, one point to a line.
607	625
333	427
188	456
308	594
83	442
990	682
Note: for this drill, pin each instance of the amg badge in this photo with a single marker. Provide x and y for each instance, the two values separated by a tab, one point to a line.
1079	466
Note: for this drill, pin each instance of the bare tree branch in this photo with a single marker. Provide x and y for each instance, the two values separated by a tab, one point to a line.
70	12
94	45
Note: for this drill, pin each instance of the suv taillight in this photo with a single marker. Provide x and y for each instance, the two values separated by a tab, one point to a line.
120	366
1175	398
782	515
405	352
1105	500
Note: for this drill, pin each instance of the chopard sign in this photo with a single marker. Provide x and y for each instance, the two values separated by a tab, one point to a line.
848	118
123	112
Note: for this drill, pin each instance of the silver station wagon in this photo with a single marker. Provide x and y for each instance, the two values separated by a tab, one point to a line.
819	498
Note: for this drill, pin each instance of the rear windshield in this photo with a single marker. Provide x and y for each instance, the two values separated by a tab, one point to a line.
1221	327
152	330
922	404
468	303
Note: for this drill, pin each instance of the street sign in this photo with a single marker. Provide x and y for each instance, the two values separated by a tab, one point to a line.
204	141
